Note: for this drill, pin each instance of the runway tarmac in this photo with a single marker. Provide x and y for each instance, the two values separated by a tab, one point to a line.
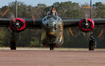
51	58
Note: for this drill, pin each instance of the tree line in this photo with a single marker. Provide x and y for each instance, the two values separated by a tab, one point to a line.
31	37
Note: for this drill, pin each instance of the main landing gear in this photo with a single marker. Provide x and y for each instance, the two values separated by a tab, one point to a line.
92	42
12	44
12	41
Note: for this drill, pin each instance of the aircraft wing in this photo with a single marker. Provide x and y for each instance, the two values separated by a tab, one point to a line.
70	22
99	21
75	22
4	22
30	23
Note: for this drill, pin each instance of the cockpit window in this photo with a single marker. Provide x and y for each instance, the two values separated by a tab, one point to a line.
50	16
55	18
51	24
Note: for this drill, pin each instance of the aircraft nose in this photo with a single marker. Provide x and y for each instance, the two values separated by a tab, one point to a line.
51	38
51	24
51	31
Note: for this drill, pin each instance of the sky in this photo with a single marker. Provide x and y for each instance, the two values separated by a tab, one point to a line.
48	2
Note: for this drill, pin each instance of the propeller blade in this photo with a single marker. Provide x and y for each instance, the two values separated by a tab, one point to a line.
8	15
100	33
33	19
71	32
86	12
5	12
11	16
86	18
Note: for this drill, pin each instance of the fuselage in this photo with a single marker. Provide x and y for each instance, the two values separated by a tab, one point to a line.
52	30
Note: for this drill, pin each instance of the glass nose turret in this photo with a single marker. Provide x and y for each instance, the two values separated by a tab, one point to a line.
51	31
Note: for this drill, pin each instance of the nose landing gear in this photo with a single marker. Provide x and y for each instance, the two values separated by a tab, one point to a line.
52	46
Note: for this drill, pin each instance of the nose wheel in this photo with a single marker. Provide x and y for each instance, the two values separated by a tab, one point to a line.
52	46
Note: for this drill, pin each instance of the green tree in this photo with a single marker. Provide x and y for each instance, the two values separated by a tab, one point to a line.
101	14
41	5
99	5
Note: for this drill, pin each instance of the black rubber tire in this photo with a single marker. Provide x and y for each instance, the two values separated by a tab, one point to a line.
91	45
51	47
13	45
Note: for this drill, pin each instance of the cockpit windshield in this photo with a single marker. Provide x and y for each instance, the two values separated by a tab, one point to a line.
50	16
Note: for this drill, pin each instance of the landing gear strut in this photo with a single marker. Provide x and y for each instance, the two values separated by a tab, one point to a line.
52	46
12	41
91	45
91	42
13	44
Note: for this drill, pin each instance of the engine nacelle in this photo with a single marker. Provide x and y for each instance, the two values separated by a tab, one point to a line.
86	25
17	24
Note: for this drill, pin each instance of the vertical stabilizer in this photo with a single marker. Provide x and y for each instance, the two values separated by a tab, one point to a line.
15	8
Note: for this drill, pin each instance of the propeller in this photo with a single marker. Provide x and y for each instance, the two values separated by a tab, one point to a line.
85	24
86	18
86	11
16	23
10	15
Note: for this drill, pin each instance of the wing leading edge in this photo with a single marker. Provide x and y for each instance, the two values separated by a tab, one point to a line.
30	23
75	22
5	22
